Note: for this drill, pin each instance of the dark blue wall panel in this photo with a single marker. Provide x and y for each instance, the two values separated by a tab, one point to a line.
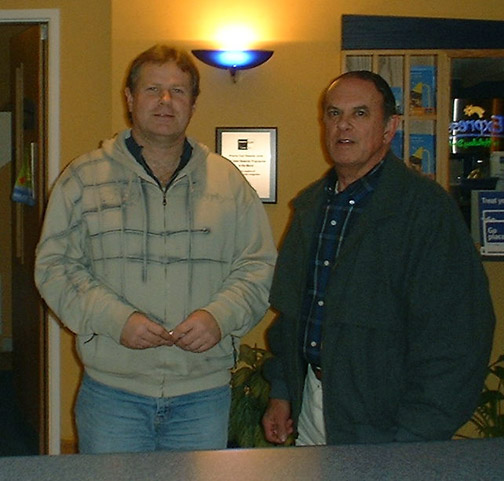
379	32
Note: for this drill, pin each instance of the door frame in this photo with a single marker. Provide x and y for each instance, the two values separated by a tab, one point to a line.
52	18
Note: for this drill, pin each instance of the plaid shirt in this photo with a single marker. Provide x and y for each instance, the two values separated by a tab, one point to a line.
340	212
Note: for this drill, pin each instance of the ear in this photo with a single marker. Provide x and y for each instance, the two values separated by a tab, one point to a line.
129	98
390	129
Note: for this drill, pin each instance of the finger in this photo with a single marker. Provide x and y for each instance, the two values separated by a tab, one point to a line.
277	432
179	332
157	330
195	346
166	336
281	436
193	343
139	343
155	334
271	434
154	338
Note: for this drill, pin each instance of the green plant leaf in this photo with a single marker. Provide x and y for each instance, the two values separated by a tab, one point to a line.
247	355
500	359
491	396
241	376
499	372
488	418
250	393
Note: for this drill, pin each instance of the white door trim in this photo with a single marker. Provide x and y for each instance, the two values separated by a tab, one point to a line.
52	17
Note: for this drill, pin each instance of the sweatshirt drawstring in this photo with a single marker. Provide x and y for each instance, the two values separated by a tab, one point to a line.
125	197
190	222
145	227
98	203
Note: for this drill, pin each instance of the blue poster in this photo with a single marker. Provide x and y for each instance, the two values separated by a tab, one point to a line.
491	222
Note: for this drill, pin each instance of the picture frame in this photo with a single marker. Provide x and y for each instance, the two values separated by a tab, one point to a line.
253	150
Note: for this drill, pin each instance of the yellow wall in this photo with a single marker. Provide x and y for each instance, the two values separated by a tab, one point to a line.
284	92
99	38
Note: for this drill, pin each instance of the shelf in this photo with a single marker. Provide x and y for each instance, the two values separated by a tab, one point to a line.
414	77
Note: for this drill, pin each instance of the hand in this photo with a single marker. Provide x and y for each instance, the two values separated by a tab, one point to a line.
140	332
277	423
197	333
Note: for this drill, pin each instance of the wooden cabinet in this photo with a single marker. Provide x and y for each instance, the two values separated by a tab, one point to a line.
425	85
451	105
421	84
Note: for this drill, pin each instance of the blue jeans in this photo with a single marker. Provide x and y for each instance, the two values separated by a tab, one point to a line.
110	420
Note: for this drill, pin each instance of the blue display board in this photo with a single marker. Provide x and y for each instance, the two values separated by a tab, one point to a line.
488	225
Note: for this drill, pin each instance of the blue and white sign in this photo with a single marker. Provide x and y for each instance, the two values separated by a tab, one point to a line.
491	221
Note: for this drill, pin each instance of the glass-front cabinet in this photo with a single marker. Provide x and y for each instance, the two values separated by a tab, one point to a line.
451	104
415	80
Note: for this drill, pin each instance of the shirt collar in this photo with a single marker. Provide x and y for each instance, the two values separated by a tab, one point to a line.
368	182
135	150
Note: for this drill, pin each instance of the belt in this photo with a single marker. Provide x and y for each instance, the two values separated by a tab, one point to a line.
317	371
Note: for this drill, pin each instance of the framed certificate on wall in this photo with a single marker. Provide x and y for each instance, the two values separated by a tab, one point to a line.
254	152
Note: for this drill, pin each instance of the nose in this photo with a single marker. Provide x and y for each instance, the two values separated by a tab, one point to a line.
344	123
164	96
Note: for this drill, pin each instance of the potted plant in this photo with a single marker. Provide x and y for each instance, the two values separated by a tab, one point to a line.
489	415
250	392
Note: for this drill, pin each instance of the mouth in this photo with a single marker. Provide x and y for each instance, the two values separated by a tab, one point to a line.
344	141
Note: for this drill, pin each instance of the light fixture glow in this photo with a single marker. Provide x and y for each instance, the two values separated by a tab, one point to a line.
233	60
235	37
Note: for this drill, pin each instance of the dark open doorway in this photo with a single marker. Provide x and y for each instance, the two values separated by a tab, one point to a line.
23	337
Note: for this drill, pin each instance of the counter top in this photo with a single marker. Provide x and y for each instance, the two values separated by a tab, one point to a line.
449	460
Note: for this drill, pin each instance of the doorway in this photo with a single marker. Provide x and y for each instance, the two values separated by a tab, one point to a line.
29	343
24	317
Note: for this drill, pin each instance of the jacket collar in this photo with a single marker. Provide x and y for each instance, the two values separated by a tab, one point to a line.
383	204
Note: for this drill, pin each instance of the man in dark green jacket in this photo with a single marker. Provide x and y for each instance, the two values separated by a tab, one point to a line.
385	320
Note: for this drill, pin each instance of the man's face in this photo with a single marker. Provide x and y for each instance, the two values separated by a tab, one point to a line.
161	104
356	135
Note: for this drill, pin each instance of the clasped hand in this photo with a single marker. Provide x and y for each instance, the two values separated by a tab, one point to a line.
197	333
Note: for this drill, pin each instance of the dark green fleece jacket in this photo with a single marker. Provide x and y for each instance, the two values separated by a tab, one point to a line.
409	319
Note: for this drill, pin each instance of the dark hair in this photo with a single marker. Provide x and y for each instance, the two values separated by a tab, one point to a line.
389	102
160	54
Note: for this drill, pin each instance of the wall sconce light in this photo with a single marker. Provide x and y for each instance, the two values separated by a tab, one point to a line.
233	60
